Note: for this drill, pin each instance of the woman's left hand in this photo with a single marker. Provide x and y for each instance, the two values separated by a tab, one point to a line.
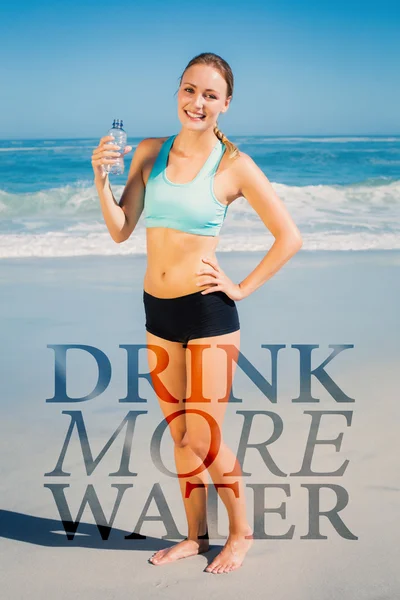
214	275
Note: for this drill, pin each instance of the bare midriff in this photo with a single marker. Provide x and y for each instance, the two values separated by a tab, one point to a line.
173	259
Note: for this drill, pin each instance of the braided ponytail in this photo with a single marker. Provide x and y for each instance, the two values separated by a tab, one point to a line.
233	151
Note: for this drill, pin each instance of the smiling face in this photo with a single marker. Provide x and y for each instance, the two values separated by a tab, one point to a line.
202	92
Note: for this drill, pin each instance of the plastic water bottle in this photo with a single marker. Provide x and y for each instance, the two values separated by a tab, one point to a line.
120	139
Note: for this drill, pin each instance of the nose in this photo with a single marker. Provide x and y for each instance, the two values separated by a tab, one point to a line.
198	102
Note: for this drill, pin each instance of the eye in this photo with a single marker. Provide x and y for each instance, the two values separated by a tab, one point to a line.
191	90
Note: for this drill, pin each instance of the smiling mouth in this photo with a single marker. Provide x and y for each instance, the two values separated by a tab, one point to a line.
194	116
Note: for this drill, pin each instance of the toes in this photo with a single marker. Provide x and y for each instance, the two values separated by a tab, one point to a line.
216	569
221	569
210	569
157	556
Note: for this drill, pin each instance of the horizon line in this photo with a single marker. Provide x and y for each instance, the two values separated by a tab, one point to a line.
230	135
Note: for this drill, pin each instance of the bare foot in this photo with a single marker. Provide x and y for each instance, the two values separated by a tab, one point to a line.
183	549
232	555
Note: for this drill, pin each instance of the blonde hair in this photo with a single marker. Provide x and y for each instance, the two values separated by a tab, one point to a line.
218	63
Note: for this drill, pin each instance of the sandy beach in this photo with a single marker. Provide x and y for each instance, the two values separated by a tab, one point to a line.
346	301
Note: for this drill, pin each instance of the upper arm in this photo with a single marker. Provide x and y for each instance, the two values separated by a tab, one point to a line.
260	194
132	199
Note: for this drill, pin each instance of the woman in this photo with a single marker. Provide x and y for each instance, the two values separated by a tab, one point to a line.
184	184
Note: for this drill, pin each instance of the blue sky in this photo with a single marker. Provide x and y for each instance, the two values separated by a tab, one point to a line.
300	68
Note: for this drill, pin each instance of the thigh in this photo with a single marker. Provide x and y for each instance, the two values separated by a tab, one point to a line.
214	369
173	377
211	315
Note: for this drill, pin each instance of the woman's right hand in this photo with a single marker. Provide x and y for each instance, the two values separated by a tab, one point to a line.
105	154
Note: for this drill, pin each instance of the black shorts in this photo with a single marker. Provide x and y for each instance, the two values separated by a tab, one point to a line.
191	316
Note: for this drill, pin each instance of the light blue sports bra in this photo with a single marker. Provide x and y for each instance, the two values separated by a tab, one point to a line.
190	207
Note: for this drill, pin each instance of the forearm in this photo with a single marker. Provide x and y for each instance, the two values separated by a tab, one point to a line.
113	214
279	253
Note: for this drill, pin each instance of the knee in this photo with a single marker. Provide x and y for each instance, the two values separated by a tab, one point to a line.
180	439
199	445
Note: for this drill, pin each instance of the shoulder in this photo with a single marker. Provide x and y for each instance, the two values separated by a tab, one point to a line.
152	142
148	146
244	170
243	163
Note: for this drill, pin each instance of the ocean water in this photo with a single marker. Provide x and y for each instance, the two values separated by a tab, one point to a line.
342	192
